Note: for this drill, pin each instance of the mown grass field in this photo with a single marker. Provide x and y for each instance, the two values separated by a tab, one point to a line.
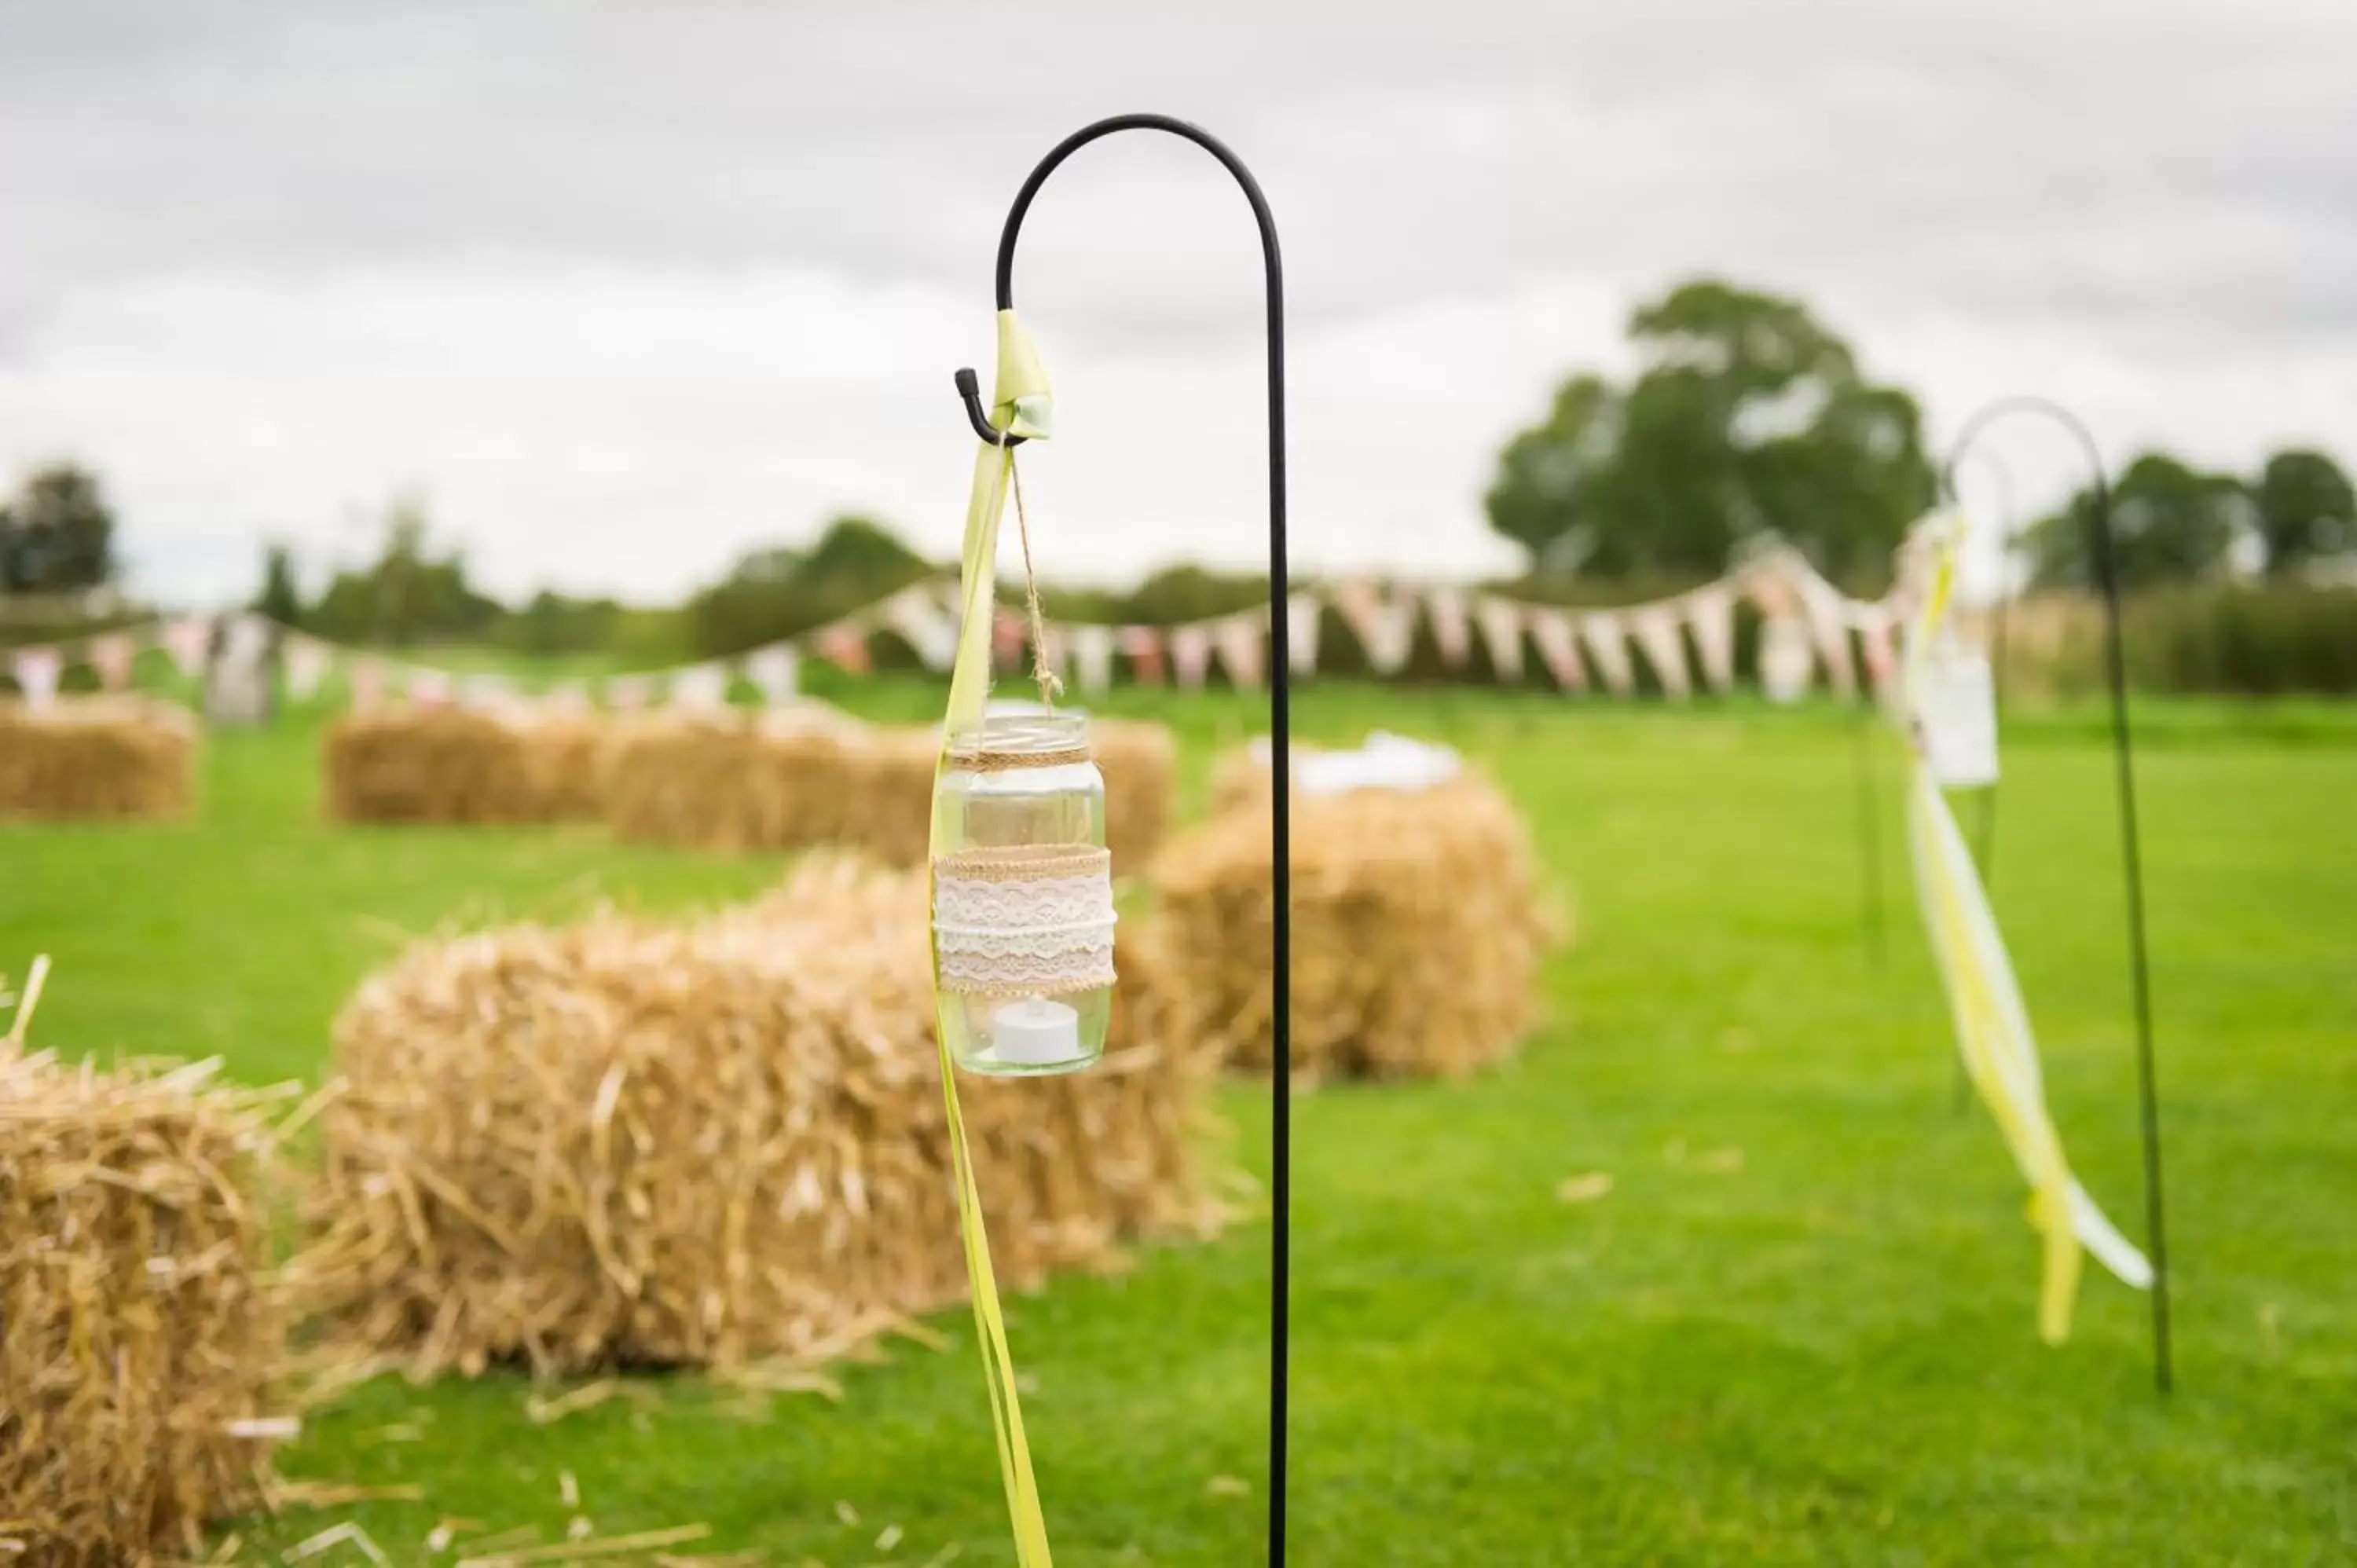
1799	1329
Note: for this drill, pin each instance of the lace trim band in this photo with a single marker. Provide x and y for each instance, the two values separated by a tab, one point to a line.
1034	920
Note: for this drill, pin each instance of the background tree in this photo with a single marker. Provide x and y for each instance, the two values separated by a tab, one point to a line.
2305	510
778	591
1748	415
2172	523
1548	497
280	598
406	594
57	535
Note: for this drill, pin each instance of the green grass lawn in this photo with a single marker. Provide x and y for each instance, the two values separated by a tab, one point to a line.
1799	1328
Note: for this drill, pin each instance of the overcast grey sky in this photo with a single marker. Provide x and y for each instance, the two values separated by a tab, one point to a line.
621	289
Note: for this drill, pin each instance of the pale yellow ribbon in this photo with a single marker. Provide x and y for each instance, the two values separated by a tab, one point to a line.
1992	1023
1020	405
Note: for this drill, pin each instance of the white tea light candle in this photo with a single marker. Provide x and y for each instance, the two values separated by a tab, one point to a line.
1035	1032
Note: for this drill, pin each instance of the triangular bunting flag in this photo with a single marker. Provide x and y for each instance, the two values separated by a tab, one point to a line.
1602	633
112	657
1301	633
1191	655
369	682
844	644
1092	657
1007	639
917	614
1446	606
307	666
777	670
38	670
1829	629
1143	644
1878	646
1559	648
1784	659
1711	615
1501	621
1242	645
1656	628
701	687
487	692
187	641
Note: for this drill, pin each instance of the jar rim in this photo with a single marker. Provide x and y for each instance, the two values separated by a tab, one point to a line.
1023	733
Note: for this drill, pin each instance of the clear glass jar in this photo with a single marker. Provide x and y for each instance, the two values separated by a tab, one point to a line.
1023	917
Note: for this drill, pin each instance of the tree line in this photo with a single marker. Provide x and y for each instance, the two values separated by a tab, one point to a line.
1749	417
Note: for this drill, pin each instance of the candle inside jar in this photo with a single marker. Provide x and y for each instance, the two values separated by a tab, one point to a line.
1035	1032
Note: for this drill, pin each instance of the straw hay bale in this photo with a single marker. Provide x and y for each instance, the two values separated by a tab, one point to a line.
777	780
140	1324
1418	928
95	756
565	759
1139	761
889	793
427	765
621	1143
455	764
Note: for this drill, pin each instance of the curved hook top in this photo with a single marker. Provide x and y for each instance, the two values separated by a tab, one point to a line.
2022	404
969	384
1106	127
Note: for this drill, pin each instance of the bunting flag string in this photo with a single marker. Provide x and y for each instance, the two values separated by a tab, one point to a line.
1687	642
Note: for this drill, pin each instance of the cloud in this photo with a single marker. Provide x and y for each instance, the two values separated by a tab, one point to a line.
622	291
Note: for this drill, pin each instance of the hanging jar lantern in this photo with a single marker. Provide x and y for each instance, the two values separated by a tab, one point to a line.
1023	916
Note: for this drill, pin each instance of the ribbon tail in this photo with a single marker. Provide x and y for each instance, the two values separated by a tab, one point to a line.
1021	406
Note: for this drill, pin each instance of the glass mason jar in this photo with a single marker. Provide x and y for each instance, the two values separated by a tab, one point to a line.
1023	914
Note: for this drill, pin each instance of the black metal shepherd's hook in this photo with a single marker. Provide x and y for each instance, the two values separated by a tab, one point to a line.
1280	727
2104	552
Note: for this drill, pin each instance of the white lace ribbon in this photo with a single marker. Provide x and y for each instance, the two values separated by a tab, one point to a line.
1031	921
